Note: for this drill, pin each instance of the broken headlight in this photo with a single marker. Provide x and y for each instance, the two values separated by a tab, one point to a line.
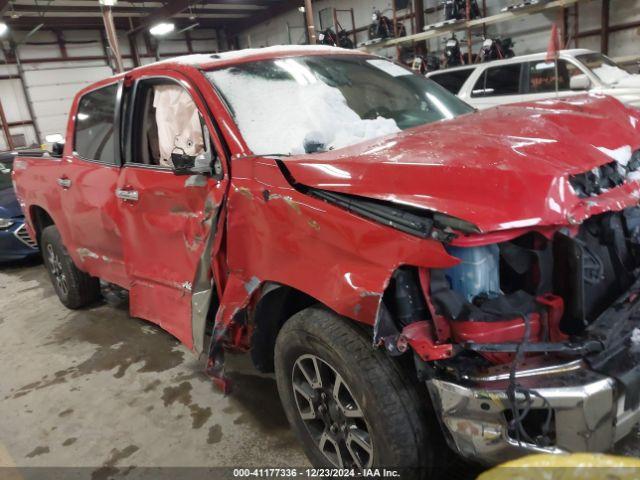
605	177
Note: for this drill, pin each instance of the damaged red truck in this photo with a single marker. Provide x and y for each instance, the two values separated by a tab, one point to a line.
411	269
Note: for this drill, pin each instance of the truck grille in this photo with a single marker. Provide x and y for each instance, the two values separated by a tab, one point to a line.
22	235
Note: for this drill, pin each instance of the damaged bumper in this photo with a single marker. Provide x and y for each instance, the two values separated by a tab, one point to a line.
588	415
593	402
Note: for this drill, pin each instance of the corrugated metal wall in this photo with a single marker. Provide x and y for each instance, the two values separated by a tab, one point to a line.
53	82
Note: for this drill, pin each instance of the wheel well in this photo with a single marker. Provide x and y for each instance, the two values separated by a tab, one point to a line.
41	220
277	304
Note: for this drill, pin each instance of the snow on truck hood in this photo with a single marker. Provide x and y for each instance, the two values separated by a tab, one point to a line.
501	168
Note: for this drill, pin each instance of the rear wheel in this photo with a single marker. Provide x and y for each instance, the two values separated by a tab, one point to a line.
351	406
74	288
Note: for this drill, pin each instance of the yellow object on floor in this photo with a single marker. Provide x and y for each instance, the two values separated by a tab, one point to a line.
577	466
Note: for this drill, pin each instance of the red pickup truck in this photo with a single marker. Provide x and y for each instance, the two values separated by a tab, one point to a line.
410	269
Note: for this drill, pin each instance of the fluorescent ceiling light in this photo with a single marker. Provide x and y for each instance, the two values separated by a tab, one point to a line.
190	27
162	29
3	28
108	3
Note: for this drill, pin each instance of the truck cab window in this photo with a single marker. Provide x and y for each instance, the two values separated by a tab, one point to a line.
94	139
166	121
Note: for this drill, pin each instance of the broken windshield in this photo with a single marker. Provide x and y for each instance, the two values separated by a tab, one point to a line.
318	103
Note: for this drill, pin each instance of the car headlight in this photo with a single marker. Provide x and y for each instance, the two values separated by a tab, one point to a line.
5	223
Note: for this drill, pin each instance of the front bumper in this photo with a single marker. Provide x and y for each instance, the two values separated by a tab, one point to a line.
595	400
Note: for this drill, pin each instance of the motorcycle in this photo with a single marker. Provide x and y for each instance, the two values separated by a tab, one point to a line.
457	10
452	53
329	37
496	49
425	63
382	27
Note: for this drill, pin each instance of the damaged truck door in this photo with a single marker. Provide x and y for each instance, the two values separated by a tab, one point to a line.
168	208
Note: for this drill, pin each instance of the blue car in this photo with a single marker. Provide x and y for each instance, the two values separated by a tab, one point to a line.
15	243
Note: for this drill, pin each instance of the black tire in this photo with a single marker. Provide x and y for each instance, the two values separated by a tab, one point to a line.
74	288
403	434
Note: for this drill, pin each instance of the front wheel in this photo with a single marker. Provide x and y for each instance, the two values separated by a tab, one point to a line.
75	288
351	406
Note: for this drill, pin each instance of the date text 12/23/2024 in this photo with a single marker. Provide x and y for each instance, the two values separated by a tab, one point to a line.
315	473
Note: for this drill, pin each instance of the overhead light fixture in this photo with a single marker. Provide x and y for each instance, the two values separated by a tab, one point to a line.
4	28
190	27
108	3
301	8
161	29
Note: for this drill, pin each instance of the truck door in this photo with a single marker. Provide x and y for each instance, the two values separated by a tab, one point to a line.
87	181
169	221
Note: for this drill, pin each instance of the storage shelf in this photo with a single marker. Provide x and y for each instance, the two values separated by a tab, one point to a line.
447	29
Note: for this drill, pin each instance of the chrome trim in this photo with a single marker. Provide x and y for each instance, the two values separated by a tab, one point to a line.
526	372
127	195
588	409
64	182
22	234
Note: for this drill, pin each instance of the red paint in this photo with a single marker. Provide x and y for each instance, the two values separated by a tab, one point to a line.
504	170
419	335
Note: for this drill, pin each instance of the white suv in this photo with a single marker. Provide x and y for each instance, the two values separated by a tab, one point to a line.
530	78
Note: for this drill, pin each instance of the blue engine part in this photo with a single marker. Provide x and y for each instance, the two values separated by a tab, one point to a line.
478	273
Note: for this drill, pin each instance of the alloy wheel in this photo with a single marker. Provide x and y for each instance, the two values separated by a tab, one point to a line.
331	414
55	267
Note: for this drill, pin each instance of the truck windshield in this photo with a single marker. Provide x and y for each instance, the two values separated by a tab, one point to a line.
308	104
5	174
603	67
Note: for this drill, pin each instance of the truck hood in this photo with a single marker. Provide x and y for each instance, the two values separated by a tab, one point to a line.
9	207
502	168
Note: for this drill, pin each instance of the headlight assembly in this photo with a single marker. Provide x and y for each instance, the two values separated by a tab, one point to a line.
6	223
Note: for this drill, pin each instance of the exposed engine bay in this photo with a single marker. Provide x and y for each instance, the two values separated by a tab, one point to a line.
560	302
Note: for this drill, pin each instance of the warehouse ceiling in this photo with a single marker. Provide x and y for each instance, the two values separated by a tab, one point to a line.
233	15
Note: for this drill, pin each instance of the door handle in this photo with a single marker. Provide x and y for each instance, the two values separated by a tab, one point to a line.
64	182
127	195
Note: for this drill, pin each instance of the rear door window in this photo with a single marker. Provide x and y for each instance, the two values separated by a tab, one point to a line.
502	80
542	76
95	125
452	81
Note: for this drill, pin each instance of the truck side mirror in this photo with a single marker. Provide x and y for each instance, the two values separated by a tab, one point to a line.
57	144
184	164
580	82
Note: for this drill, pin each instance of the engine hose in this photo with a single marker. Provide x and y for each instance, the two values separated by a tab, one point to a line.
519	414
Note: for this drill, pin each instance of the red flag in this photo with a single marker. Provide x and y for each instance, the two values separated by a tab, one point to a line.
554	44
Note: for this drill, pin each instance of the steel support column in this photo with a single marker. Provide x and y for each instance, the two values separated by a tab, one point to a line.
604	37
112	37
308	10
5	127
27	95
